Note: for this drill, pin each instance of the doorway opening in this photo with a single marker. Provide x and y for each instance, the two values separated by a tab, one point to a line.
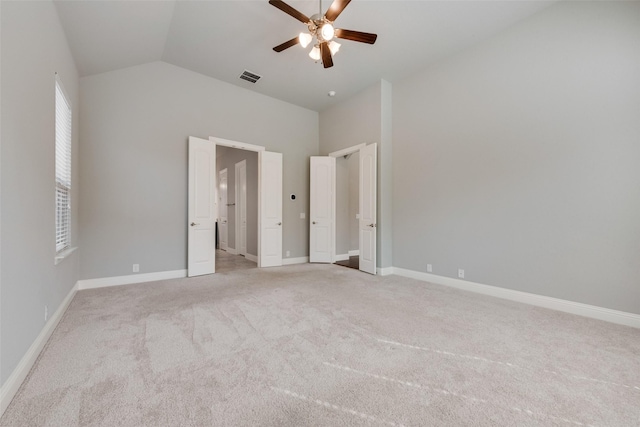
330	199
347	213
237	237
202	205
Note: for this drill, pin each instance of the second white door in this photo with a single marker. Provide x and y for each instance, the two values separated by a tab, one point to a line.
201	214
270	209
321	209
368	207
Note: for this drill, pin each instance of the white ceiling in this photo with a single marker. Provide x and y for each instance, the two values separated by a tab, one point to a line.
222	38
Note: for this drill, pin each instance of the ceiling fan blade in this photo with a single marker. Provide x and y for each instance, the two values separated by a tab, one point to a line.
290	10
286	45
356	36
327	60
336	9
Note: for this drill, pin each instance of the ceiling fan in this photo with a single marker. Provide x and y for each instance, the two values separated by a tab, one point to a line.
321	27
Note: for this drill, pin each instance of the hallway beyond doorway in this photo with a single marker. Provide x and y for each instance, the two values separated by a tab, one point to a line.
352	262
226	262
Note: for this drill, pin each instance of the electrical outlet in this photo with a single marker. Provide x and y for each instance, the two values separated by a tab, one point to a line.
461	273
288	253
136	268
429	268
46	313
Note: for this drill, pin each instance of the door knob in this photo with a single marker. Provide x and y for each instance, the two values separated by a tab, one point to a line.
313	222
372	225
194	223
279	223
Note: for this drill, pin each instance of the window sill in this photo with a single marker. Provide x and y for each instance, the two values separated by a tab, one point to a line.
64	254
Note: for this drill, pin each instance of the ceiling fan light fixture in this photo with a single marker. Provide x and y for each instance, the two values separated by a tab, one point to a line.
321	31
327	31
315	53
305	39
334	47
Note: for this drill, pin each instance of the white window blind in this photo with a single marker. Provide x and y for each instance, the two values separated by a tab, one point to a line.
63	170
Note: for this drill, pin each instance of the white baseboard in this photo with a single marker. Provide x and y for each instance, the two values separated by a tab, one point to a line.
592	311
300	260
130	279
231	251
342	257
354	253
385	271
250	257
13	383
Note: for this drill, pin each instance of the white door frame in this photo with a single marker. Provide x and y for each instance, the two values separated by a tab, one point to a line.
241	205
347	151
342	153
248	147
236	144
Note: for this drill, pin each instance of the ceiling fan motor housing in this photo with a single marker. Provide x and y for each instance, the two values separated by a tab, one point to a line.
316	24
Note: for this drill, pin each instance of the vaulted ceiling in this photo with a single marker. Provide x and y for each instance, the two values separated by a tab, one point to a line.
221	39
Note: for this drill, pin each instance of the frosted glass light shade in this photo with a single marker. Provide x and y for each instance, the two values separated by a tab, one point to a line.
315	53
305	39
327	32
334	47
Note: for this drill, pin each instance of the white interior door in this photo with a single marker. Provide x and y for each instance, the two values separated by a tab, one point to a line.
223	209
270	209
201	235
322	209
368	207
241	207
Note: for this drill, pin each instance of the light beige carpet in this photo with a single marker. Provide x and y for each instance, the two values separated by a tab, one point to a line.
312	345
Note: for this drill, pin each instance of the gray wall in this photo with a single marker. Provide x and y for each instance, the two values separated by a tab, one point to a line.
366	118
354	121
1	376
227	157
33	49
134	132
385	177
517	160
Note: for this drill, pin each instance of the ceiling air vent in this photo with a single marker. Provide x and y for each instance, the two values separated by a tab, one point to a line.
249	76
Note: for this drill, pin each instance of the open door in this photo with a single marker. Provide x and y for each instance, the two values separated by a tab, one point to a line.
201	235
270	209
322	209
368	207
